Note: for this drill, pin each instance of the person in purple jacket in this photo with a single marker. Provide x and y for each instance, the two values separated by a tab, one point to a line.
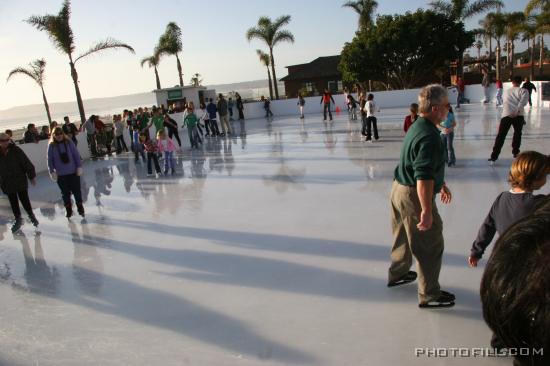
65	167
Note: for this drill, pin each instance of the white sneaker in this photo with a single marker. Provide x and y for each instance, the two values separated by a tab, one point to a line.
157	175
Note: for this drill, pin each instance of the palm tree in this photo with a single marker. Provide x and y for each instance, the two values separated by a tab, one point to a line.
365	9
170	44
514	22
460	10
270	32
35	72
196	80
495	23
153	61
542	5
61	34
265	60
529	34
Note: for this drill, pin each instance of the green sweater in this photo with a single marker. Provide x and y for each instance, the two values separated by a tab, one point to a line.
190	120
143	121
158	122
422	156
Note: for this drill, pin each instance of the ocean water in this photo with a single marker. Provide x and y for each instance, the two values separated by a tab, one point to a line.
19	117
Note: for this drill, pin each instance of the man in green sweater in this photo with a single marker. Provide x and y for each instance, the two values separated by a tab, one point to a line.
416	225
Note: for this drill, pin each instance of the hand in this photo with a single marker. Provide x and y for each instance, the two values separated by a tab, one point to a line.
514	114
472	261
79	171
426	221
53	176
446	195
33	182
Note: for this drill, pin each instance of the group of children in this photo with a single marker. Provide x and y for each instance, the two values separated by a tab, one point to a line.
161	145
367	108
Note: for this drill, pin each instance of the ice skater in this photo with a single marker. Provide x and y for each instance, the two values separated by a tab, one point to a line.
372	124
65	168
152	157
16	170
515	100
411	118
166	146
326	98
352	107
301	103
447	137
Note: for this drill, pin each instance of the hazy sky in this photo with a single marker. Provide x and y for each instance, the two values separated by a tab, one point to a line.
214	43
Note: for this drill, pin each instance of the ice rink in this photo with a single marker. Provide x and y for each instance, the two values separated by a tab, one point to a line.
269	248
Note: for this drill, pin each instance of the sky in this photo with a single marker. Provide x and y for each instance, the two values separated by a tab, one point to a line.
214	43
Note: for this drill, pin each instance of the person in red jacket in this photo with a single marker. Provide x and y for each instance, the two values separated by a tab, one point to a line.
325	99
409	120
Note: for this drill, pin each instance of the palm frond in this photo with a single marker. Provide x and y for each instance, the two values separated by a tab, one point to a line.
105	45
264	58
283	36
442	7
481	6
58	27
22	71
355	5
543	5
281	21
255	33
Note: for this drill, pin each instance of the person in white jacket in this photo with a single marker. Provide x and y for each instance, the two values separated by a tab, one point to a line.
515	100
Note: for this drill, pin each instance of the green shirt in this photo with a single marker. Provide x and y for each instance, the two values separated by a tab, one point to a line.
143	121
422	156
190	120
158	122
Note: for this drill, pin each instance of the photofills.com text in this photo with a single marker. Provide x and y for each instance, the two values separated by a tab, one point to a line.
445	352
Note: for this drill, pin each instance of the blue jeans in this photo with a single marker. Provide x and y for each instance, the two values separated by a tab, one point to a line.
169	162
447	141
193	136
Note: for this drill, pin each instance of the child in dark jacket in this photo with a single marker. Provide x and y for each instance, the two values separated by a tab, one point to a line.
212	115
528	174
152	156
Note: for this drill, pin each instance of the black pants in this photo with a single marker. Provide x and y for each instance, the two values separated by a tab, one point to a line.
152	157
92	143
121	144
70	184
241	113
326	108
214	127
14	199
207	126
174	132
505	124
372	127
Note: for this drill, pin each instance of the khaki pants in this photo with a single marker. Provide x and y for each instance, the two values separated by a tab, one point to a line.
408	241
225	124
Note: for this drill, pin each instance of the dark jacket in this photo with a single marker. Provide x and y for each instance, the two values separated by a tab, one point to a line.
239	103
30	137
222	107
15	170
212	110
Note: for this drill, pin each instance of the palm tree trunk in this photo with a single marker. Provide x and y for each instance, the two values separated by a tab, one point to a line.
157	77
270	87
79	102
179	70
532	71
46	105
511	59
541	53
273	73
497	52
